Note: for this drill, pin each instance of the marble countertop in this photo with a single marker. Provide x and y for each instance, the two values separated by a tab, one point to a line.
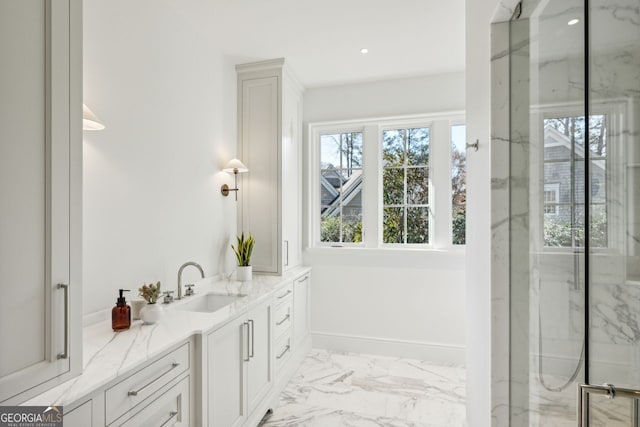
108	354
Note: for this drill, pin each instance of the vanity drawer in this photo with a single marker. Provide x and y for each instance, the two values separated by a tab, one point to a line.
283	317
283	350
284	294
137	387
171	408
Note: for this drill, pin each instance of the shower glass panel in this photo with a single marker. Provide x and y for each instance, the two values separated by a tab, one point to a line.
548	141
614	253
574	209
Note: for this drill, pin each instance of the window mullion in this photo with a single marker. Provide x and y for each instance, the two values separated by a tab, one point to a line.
372	185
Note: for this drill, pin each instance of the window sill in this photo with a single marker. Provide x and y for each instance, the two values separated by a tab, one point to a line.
453	258
454	249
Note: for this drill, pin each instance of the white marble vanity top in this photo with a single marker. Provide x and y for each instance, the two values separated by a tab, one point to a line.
108	354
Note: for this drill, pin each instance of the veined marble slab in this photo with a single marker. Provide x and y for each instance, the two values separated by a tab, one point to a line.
108	354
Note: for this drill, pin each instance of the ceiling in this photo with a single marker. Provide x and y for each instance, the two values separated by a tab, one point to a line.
321	39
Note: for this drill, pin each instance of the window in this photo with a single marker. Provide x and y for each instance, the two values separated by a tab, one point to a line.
405	184
564	180
341	187
551	198
459	184
385	183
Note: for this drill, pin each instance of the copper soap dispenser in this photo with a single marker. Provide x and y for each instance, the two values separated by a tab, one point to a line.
121	314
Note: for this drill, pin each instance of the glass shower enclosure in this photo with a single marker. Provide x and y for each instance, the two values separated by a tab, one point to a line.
574	226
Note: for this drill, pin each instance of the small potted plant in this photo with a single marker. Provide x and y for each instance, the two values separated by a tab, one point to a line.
243	254
151	312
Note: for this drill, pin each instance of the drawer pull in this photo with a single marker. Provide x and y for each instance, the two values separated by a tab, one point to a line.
286	349
285	294
304	279
171	415
287	317
140	390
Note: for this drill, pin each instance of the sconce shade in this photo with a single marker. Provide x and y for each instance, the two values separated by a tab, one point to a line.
235	166
89	120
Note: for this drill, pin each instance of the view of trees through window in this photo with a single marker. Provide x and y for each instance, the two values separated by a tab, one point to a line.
341	187
459	183
564	171
405	183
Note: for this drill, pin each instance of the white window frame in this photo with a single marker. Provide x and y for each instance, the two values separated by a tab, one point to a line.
555	189
618	112
440	228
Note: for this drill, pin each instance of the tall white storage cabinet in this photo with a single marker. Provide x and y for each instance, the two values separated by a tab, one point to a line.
40	195
270	144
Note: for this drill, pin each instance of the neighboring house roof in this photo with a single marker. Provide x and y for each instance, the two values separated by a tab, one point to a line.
554	138
350	189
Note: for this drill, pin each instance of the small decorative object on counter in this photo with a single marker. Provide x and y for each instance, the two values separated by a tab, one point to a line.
243	254
151	312
121	313
136	306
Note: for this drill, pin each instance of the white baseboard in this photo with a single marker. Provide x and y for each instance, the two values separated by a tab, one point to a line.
433	352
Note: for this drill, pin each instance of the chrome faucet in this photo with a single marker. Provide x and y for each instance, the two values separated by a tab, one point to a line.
182	267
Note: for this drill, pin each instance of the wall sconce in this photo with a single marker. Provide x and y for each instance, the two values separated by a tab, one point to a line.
234	166
89	120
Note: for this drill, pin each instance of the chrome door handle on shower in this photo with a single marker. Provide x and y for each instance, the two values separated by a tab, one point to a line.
608	390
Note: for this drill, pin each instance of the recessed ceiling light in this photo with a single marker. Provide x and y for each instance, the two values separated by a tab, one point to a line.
574	21
364	50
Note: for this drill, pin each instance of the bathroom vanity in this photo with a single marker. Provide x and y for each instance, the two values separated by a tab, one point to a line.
218	358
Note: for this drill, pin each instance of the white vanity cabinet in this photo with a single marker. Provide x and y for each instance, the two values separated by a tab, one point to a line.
40	196
270	144
82	416
301	308
239	368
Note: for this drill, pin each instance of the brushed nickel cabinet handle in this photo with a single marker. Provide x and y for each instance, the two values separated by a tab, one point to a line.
172	414
247	342
286	349
65	353
141	389
287	317
251	354
285	294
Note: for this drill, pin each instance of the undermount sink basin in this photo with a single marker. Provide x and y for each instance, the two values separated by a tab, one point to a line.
209	303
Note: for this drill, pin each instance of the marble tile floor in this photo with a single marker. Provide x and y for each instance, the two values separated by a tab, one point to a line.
345	389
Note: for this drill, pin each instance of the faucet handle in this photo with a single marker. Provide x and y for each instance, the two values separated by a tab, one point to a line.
190	290
168	298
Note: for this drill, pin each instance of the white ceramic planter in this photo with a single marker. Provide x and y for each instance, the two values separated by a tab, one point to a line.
151	313
244	274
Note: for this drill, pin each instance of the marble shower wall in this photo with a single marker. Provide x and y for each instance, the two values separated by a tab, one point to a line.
544	289
615	304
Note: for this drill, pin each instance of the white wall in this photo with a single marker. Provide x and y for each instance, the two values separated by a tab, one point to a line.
401	303
423	94
479	15
165	91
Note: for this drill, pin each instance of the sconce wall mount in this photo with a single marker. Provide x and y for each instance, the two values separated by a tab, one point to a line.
234	166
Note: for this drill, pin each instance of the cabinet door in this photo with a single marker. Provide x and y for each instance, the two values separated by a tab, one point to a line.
301	314
259	367
228	351
291	177
40	171
82	416
259	207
